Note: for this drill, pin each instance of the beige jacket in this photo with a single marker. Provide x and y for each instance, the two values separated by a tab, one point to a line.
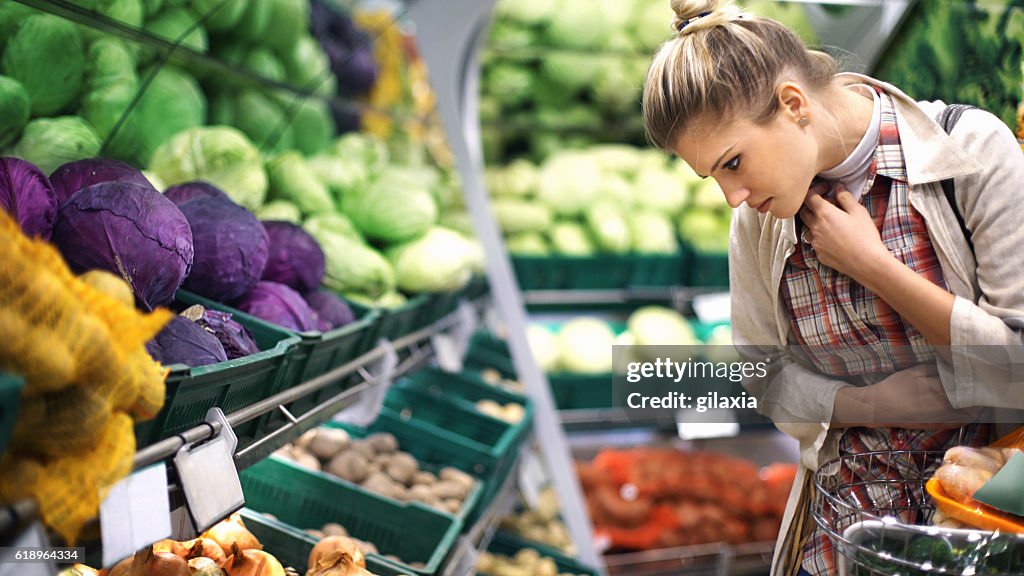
983	157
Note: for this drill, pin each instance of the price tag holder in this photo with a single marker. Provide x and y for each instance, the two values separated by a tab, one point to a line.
135	513
446	353
532	478
711	308
208	475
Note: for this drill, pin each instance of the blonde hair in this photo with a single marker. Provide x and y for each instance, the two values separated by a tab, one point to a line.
723	63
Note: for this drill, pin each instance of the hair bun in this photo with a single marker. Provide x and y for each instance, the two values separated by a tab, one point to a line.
687	10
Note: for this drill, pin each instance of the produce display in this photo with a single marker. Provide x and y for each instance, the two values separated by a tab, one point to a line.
608	199
333	534
542	523
526	562
511	412
647	498
376	463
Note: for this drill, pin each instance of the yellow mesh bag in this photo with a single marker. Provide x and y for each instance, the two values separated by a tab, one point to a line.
148	380
61	423
36	353
69	490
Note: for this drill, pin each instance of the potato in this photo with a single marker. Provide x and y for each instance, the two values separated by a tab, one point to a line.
328	442
381	484
349	465
449	489
367	547
334	529
491	376
527	557
305	459
456	475
365	448
421	493
513	413
383	442
375	466
401	467
546	567
304	440
452	505
424	477
490	408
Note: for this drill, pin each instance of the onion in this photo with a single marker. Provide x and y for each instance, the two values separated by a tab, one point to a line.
204	548
251	563
149	563
83	570
230	532
338	563
321	556
172	546
202	566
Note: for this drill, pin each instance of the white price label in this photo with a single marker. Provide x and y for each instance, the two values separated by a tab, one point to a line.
711	308
446	353
135	514
532	478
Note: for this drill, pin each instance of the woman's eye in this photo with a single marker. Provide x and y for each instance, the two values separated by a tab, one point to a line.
733	164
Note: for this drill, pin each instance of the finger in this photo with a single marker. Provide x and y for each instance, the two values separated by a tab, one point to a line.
818	188
819	205
846	200
807	215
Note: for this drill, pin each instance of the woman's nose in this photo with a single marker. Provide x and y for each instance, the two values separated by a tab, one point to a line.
736	196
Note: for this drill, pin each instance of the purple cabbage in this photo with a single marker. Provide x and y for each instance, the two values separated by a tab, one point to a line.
27	195
74	176
189	191
183	341
235	338
231	249
330	308
295	260
279	304
128	230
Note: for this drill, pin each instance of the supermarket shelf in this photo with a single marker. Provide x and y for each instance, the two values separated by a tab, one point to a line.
751	559
679	297
204	63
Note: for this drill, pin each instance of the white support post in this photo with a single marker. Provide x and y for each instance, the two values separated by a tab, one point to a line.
450	34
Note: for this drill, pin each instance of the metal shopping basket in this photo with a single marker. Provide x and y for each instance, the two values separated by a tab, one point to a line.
880	523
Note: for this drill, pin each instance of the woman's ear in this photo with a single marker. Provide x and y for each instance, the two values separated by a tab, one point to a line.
793	102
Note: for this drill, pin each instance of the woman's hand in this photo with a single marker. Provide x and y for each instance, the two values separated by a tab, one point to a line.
911	398
843	235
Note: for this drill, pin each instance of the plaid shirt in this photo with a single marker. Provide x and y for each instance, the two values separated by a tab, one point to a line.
846	331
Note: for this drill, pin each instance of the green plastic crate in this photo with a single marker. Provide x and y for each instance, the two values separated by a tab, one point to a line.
393	323
508	544
708	270
601	272
466	389
292	546
304	499
315	353
469	505
231	385
10	398
488	351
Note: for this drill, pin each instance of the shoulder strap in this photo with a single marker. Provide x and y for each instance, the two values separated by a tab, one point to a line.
948	118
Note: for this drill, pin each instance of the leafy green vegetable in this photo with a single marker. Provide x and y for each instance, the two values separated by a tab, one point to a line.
395	207
14	110
47	57
50	143
439	261
292	180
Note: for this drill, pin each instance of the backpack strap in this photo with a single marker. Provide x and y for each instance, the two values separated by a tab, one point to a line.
948	118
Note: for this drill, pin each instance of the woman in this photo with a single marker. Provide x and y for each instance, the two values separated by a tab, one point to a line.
846	260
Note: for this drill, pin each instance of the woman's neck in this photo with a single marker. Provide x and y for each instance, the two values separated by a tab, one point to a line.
843	126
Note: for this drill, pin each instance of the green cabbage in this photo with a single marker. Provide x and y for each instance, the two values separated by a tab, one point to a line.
280	210
264	63
313	127
47	57
569	183
529	11
515	216
171	24
105	106
255	21
289	20
257	115
707	232
227	15
527	244
571	239
653	233
368	150
620	159
572	70
439	261
340	175
129	12
661	190
171	103
220	155
580	25
659	326
354	267
607	222
708	195
307	63
616	188
328	224
517	179
544	346
15	109
12	15
390	300
585	346
155	180
292	180
395	207
652	24
109	61
49	143
458	221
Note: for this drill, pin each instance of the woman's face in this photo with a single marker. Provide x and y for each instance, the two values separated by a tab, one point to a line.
769	166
